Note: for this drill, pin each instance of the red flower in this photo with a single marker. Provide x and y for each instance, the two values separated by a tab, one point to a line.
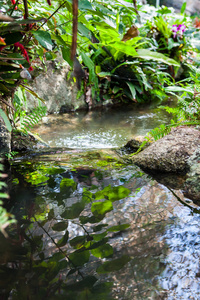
13	2
24	52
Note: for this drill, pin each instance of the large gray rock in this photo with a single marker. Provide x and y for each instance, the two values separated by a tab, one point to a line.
192	184
54	87
171	153
5	138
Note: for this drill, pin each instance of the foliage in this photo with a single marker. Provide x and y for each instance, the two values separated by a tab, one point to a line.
127	53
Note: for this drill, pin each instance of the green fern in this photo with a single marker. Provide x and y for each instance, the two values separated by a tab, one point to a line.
33	118
159	132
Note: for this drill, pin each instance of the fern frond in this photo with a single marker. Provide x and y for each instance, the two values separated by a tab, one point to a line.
159	132
33	118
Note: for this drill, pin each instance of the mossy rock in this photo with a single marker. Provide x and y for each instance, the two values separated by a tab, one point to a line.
21	141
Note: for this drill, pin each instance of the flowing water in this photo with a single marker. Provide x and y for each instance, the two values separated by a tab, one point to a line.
91	226
99	130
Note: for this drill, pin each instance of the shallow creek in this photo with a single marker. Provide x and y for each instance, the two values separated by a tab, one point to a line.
91	226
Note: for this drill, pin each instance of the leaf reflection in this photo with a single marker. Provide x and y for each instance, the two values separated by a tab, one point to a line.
55	247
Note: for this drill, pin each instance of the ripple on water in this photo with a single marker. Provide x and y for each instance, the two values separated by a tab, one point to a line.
89	140
181	275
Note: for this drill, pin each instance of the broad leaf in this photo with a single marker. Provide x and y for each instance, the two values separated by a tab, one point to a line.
150	55
118	227
100	208
6	120
103	251
112	193
60	226
113	265
79	258
132	89
63	241
44	38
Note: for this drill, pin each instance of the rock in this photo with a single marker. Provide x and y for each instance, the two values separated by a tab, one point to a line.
5	138
171	153
52	83
134	144
192	183
23	142
54	88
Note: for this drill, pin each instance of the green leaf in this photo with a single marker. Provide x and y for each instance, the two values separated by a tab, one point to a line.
84	5
67	183
87	61
132	89
103	251
32	93
104	74
91	219
11	38
99	236
63	241
79	258
44	38
6	120
99	227
4	89
78	241
147	55
112	193
66	55
101	208
84	30
118	227
123	47
114	265
179	89
60	226
183	7
73	211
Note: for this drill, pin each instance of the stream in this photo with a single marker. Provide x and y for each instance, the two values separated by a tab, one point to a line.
91	226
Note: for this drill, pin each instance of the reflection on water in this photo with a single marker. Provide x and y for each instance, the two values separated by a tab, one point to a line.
92	130
73	239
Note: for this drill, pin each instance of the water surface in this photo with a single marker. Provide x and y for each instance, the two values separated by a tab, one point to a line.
99	129
91	226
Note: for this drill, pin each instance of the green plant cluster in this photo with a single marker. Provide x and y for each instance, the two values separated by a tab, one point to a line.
129	53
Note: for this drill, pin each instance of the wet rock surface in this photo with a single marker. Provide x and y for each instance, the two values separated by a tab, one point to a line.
192	184
176	153
5	138
23	142
170	153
